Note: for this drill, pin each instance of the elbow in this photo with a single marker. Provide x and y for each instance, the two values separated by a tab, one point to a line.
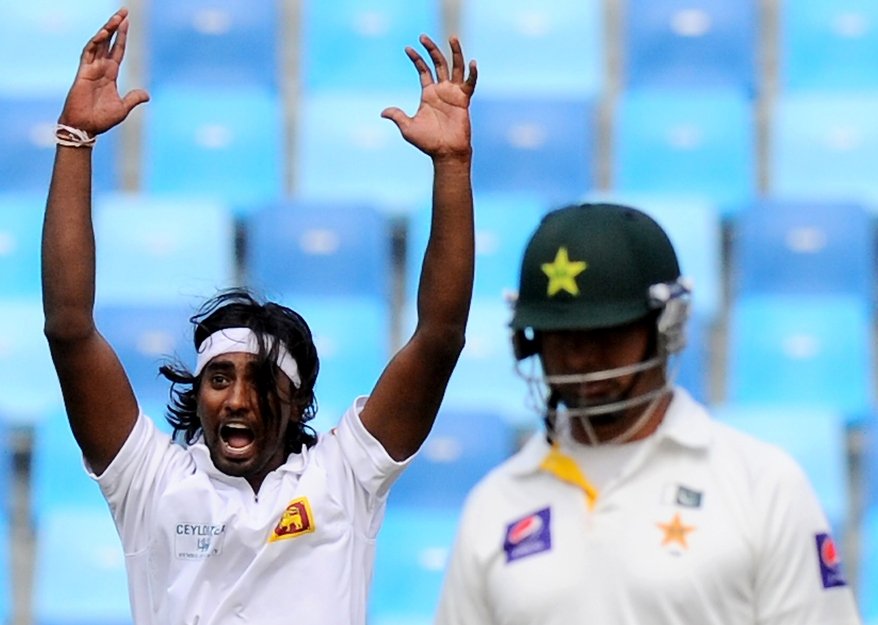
62	329
448	343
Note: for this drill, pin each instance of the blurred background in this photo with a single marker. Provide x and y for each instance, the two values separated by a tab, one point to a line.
748	128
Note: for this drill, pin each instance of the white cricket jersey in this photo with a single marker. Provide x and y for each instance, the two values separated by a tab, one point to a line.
202	549
704	526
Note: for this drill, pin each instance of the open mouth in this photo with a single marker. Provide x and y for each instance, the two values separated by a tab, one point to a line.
237	438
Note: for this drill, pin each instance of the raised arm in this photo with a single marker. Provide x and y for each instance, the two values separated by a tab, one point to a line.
98	397
404	403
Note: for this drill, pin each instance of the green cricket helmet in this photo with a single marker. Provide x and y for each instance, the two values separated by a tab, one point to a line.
597	266
593	266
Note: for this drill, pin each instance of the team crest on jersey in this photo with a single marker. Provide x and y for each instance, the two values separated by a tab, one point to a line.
528	536
675	533
295	521
830	562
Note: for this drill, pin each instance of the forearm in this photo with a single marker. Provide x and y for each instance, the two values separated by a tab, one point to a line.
68	250
446	282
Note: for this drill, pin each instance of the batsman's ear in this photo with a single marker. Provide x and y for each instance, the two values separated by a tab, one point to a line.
525	343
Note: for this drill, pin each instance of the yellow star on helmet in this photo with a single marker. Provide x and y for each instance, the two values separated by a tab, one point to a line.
562	273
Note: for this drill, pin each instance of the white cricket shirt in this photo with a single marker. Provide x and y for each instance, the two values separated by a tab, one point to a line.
705	525
202	549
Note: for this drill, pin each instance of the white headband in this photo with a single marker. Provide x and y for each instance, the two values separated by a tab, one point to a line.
230	340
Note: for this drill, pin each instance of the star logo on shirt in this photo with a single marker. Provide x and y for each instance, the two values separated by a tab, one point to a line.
562	273
675	532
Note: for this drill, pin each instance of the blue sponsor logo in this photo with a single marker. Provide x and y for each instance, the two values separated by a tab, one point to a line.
830	562
528	536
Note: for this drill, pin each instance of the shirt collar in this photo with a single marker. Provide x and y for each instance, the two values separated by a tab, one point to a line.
686	423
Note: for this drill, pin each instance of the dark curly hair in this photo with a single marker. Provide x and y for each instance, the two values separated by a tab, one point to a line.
239	308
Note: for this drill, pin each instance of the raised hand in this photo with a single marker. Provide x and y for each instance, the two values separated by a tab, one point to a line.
441	125
93	103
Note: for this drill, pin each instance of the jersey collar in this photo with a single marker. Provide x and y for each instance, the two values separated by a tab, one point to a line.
686	424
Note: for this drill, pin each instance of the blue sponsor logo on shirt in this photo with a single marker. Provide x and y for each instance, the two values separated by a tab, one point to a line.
830	562
528	536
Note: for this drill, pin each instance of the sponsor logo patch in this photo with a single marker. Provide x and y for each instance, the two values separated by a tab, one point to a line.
196	541
688	497
830	562
295	521
528	536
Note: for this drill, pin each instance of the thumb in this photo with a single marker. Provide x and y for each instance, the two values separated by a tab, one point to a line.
396	115
134	98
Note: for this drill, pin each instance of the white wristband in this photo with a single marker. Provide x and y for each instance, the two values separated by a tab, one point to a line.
73	137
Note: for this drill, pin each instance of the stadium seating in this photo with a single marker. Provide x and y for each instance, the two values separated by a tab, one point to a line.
555	49
145	336
485	377
504	223
798	351
59	30
684	43
462	447
222	142
319	248
359	45
28	384
828	45
691	142
821	146
58	478
352	336
411	553
79	570
534	145
344	150
804	247
162	249
214	42
27	149
21	225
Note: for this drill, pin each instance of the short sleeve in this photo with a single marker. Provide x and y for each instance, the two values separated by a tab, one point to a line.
137	475
372	466
799	579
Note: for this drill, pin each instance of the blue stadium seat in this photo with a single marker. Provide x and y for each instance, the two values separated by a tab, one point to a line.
145	336
534	145
27	149
462	447
59	480
693	142
822	145
214	42
81	581
224	142
319	248
162	249
411	553
504	223
805	247
359	45
522	47
344	150
487	357
28	384
59	30
802	351
814	437
352	335
828	45
21	225
686	43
